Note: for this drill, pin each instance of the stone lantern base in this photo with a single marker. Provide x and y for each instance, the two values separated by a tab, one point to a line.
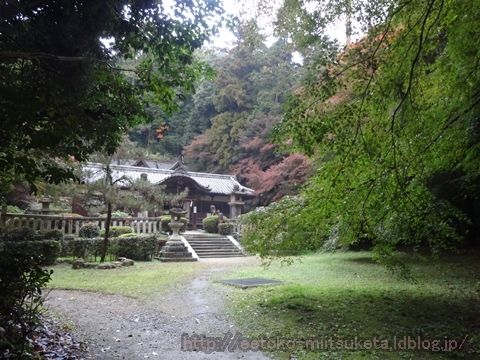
175	249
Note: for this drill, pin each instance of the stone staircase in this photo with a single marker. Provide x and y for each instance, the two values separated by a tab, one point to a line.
212	246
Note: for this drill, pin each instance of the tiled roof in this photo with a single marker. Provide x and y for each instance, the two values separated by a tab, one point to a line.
168	165
217	183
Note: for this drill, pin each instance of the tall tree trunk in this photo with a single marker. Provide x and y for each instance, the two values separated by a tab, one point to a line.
107	232
109	183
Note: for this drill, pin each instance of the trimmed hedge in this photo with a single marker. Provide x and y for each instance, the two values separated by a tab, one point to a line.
82	247
225	228
27	242
140	247
165	219
89	231
210	224
116	231
53	235
47	251
19	234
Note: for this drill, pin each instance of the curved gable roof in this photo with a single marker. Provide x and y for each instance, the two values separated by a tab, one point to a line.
214	183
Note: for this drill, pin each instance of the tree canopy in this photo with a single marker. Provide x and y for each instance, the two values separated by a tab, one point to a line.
392	121
63	92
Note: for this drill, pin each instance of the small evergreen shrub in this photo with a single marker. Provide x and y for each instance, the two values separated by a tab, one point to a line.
116	231
210	224
89	231
12	209
225	228
119	213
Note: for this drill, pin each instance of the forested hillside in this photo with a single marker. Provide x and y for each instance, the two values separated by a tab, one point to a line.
226	125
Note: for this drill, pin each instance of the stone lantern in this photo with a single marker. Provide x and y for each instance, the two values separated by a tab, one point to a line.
236	202
175	249
45	201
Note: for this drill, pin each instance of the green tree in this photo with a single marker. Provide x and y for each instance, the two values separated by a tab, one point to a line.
393	122
63	93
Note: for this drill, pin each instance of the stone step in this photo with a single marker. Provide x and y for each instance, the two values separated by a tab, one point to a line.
201	251
209	246
209	242
206	256
185	259
206	247
208	251
209	239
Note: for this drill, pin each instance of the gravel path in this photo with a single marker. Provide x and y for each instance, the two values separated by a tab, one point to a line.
119	327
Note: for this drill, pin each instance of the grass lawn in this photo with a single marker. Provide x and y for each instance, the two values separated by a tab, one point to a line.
345	295
140	281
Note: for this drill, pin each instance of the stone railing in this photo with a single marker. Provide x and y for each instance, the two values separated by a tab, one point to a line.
72	225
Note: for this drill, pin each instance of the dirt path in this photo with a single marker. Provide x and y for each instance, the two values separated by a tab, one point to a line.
118	327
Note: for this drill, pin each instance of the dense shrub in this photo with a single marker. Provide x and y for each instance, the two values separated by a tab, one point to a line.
210	224
44	245
82	247
165	219
52	235
139	247
118	230
47	251
21	281
19	234
225	228
89	231
127	235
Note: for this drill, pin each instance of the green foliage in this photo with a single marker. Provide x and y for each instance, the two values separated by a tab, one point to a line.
56	235
139	247
82	248
65	99
118	230
210	224
121	214
19	234
127	235
72	215
89	231
225	228
22	278
393	124
280	229
12	209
